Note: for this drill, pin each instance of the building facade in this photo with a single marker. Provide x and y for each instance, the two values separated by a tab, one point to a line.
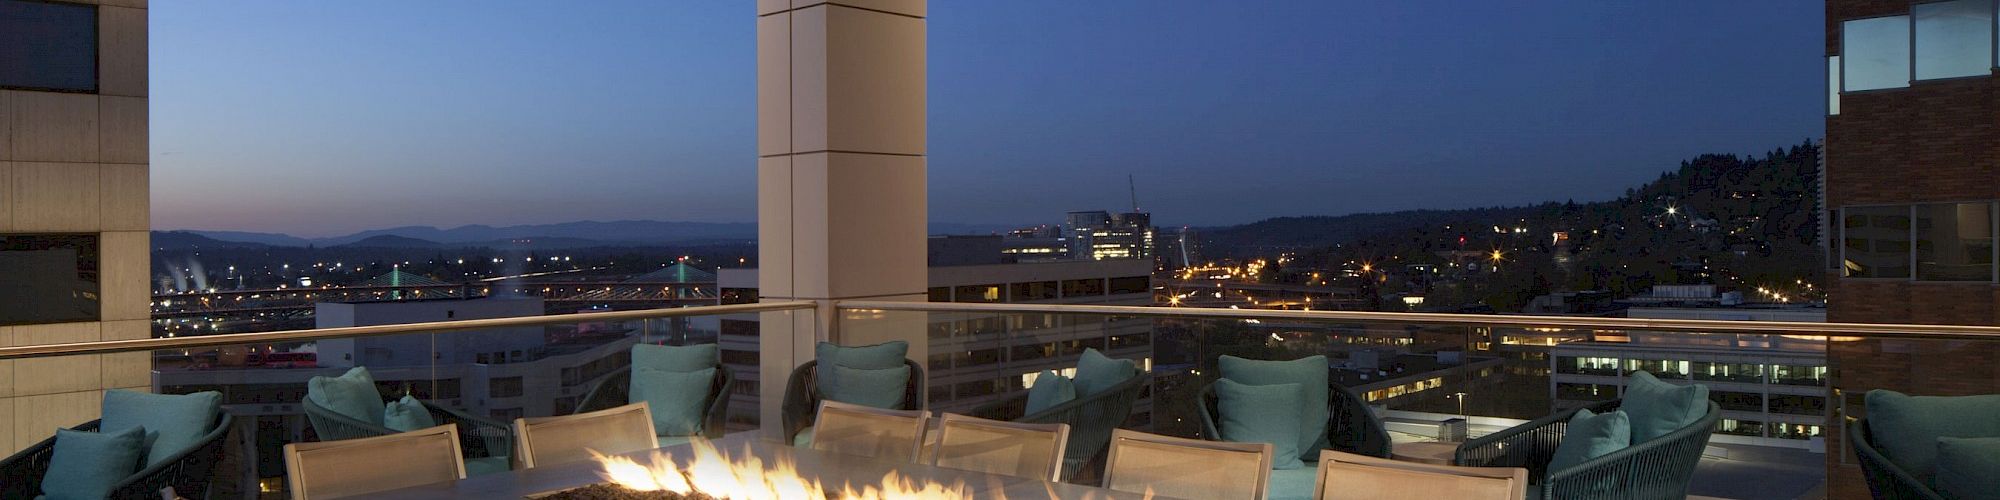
1100	235
73	206
1911	175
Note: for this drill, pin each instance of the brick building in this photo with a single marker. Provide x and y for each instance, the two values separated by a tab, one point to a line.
1912	132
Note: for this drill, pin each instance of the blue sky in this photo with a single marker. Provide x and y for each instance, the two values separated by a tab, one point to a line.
320	118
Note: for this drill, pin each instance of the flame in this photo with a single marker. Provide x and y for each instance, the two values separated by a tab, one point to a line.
715	474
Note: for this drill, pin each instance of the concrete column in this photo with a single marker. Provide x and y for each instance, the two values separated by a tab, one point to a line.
840	172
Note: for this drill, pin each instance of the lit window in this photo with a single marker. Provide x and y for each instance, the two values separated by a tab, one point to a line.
1954	38
1833	85
1875	53
48	46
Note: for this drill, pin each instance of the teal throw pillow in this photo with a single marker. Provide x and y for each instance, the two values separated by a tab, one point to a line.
352	394
1310	373
1968	468
676	358
1589	436
881	356
407	414
84	465
675	398
1262	414
877	388
174	423
1906	428
1658	408
1050	389
1097	373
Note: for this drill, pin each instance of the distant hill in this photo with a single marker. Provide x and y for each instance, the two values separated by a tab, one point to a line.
391	241
273	239
1328	230
185	240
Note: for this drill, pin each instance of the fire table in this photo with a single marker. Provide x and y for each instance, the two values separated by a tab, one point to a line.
832	470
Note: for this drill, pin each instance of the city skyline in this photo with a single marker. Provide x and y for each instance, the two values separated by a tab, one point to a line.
322	120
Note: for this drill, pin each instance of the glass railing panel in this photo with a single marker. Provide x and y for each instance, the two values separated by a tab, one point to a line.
488	376
1779	416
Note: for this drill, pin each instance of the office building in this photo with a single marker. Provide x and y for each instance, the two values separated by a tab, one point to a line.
1100	235
73	207
1911	175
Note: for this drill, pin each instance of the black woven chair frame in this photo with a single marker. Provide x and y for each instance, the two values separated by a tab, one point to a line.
1657	469
802	396
615	390
189	473
1351	427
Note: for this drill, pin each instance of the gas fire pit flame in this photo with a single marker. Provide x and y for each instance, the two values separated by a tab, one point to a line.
710	472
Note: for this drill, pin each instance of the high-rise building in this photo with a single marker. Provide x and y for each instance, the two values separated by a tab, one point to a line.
73	207
1911	175
1100	235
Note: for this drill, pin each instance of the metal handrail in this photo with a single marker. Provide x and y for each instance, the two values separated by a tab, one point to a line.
1864	330
152	344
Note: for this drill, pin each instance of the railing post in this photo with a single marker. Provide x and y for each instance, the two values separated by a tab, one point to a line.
841	207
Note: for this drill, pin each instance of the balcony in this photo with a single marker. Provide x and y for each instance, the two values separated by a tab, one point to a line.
1420	374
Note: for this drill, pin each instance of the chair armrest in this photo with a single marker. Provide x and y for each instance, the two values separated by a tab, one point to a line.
716	422
1008	407
1529	445
188	472
477	436
1660	468
1885	478
609	393
801	400
22	472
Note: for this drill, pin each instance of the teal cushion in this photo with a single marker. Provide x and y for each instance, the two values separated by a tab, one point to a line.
85	465
407	414
804	439
1097	373
1310	373
485	465
174	423
1589	436
352	394
881	356
675	398
1293	484
1262	414
1906	428
877	388
1658	408
1968	468
1050	390
676	358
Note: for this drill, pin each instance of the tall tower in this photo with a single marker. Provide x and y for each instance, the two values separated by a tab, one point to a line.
73	205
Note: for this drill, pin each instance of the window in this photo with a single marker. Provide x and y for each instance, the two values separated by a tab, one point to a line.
940	294
1082	288
1035	290
51	278
1955	242
1877	242
979	293
1728	372
1736	427
1586	392
1798	405
505	387
1737	401
1953	38
48	46
1798	375
1833	85
1875	53
1131	284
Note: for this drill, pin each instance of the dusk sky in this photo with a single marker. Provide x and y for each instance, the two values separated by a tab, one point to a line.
323	118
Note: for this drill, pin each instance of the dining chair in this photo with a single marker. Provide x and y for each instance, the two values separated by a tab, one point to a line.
1345	476
354	467
571	438
870	432
1001	447
1190	469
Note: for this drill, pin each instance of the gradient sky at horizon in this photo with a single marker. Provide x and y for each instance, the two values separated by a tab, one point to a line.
324	118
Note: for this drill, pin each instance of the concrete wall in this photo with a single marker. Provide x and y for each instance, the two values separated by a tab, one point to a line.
77	163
